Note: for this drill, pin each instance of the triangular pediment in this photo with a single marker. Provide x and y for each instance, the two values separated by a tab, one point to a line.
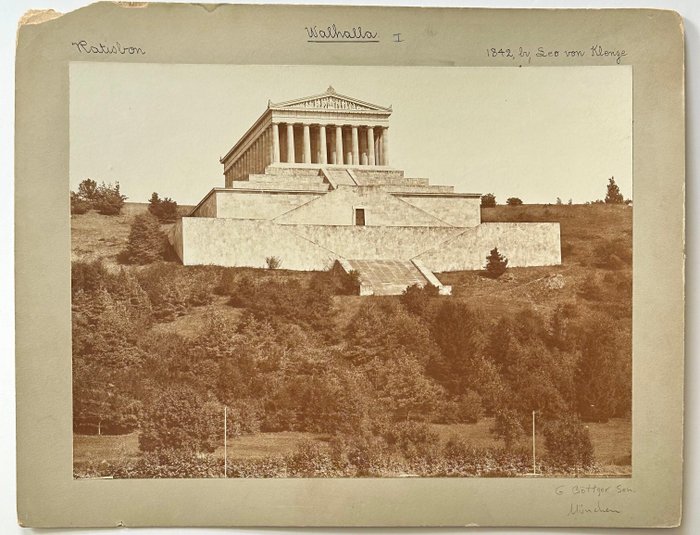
330	100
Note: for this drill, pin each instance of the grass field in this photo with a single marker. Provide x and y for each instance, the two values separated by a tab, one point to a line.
611	443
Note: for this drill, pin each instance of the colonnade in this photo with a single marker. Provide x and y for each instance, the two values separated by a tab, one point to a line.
321	144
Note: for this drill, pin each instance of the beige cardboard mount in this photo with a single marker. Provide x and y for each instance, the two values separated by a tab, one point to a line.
48	496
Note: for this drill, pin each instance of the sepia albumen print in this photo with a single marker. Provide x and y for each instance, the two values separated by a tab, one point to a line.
306	271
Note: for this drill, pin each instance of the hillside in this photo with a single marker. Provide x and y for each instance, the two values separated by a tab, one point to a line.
302	366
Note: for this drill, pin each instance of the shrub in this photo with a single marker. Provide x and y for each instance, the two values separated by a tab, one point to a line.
164	209
411	439
416	298
466	408
515	201
342	282
496	264
108	199
173	289
146	243
179	418
568	442
273	262
488	200
591	289
507	427
78	205
613	254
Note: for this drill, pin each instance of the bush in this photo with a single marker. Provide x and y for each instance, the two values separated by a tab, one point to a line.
164	209
507	427
174	289
342	282
78	205
179	418
411	439
488	200
146	243
496	264
273	262
416	298
109	200
466	408
568	442
515	201
613	254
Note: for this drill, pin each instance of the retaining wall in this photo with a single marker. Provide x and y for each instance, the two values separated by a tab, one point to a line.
241	242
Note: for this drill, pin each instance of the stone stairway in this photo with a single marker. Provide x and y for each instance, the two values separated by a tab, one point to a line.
338	177
391	277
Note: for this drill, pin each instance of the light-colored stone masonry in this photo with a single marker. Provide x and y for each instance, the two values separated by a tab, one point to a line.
246	243
381	209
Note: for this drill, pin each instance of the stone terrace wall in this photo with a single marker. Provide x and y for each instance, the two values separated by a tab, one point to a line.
457	211
381	209
375	243
259	205
246	243
524	244
207	208
238	242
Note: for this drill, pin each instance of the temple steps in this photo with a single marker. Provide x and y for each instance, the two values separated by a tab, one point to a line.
338	176
391	277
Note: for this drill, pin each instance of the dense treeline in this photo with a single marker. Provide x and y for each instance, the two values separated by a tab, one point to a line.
373	382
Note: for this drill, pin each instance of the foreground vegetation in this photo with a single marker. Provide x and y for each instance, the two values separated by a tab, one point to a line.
373	386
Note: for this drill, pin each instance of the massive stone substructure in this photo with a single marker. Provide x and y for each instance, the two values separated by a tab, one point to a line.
310	198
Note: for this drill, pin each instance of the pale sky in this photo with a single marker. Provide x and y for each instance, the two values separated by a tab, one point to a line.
537	133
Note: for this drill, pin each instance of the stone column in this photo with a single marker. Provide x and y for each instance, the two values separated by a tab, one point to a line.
322	143
307	144
275	143
355	147
370	144
385	146
290	143
339	145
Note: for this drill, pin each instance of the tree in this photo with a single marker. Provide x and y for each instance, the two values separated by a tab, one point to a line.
78	205
179	418
568	442
514	201
507	427
488	200
613	196
87	190
496	264
109	200
147	243
416	298
164	209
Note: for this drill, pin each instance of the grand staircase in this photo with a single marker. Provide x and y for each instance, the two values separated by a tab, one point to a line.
392	277
338	176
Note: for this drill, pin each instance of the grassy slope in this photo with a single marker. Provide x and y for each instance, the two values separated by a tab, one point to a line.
583	227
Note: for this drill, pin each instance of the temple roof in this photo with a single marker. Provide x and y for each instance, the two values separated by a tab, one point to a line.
330	100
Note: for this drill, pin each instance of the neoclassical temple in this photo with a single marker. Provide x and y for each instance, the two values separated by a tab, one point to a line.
321	130
310	184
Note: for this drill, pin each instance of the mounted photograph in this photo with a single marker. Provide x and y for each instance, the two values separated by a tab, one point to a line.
305	271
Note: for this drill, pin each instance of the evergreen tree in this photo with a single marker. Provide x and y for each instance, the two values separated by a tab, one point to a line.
496	264
147	243
613	196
